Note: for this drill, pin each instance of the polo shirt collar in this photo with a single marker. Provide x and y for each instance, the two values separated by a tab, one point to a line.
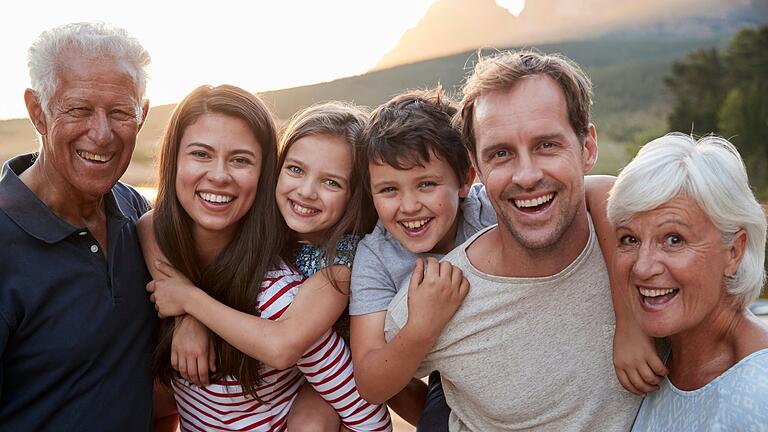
28	212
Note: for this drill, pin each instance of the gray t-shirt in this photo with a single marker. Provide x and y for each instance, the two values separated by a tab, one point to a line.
737	400
529	353
382	263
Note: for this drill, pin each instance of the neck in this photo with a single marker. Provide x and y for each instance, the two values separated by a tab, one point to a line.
75	208
711	347
209	244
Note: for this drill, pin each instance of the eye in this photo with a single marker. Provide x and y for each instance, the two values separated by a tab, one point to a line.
627	240
500	154
673	240
547	145
294	169
427	184
387	190
199	154
241	161
122	115
79	111
332	183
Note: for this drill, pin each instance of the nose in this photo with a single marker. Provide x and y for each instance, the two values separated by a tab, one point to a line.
219	172
99	129
307	189
409	203
647	264
527	172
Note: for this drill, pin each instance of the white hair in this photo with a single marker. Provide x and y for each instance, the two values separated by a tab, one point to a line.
91	40
709	171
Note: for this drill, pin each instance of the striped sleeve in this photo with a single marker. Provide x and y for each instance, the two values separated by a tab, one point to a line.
327	365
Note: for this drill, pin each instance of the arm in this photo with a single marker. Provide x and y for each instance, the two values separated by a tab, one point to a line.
192	352
328	368
637	364
383	369
278	343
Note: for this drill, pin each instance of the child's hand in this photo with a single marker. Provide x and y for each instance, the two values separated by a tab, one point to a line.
170	291
436	291
638	366
192	352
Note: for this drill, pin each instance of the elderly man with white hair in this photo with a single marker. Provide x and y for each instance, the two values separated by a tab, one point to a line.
691	251
76	326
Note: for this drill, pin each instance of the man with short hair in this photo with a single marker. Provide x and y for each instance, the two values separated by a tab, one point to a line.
76	326
530	347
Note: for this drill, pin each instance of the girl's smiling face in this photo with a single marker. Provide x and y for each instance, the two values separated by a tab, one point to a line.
313	185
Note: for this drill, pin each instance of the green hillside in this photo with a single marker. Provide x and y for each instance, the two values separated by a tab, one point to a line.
627	77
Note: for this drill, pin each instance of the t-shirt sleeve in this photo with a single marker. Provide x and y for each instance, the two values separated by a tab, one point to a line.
345	250
372	287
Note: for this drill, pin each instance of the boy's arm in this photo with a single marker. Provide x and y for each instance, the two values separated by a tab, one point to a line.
636	361
383	369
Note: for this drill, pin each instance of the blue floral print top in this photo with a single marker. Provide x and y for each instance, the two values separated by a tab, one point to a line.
309	259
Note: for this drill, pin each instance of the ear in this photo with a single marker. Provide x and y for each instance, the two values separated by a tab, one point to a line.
475	167
736	252
144	112
464	189
589	153
36	112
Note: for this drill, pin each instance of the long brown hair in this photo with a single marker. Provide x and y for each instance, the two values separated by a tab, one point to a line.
347	121
234	276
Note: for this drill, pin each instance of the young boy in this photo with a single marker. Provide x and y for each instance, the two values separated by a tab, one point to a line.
421	182
420	179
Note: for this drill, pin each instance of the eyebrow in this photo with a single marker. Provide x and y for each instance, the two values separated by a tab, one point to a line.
213	150
673	221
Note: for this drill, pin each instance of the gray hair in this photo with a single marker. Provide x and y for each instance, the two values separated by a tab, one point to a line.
91	40
709	171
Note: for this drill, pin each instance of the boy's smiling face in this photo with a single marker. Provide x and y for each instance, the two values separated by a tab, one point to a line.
419	205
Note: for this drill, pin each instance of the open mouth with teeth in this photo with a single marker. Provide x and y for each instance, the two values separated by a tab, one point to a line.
657	297
215	199
416	226
302	210
93	157
534	205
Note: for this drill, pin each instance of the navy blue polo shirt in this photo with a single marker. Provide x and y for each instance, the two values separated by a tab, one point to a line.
76	328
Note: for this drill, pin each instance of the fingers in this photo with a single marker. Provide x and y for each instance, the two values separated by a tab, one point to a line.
211	356
164	268
639	383
202	370
649	377
151	286
658	366
431	269
174	359
463	288
626	383
417	276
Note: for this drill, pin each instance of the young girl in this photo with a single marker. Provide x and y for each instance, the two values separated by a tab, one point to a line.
218	225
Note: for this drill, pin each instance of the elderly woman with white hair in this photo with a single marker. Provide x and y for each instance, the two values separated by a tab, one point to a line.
691	252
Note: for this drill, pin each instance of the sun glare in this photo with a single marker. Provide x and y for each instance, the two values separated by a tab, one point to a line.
515	7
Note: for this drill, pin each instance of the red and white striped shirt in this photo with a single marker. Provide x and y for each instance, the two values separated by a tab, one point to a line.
327	366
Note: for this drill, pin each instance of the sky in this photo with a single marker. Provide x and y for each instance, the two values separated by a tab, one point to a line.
257	45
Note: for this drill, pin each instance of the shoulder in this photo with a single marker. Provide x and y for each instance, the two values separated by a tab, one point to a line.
130	200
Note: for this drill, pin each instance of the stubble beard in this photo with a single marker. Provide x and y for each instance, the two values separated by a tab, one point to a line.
551	242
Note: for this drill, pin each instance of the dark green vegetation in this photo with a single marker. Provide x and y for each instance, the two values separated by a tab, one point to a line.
726	92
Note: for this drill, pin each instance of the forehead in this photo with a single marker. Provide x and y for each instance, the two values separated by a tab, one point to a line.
222	132
534	106
436	167
681	210
329	152
93	79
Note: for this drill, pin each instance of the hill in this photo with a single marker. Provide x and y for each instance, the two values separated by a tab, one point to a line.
454	26
627	76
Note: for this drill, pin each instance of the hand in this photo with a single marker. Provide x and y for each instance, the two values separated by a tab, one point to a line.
637	364
435	293
170	292
192	352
